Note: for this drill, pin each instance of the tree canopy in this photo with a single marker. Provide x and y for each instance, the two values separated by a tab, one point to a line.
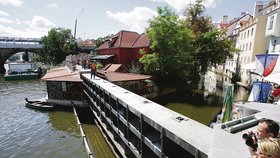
57	45
171	45
211	46
100	40
183	49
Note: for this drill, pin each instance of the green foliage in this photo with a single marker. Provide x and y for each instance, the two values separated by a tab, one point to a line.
151	63
134	67
100	40
99	66
57	45
171	43
182	50
25	56
211	46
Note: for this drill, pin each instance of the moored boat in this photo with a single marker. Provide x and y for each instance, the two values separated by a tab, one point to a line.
39	105
22	71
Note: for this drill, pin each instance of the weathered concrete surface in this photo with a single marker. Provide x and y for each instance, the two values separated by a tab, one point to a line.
188	133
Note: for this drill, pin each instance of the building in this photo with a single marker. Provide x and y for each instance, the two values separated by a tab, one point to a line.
254	35
232	33
64	85
119	75
251	42
272	10
86	46
123	48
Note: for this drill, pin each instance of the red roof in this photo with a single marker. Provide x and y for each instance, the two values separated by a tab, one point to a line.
224	25
142	41
62	74
126	39
118	76
115	73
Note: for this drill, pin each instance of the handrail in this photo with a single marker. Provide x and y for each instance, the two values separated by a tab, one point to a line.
89	153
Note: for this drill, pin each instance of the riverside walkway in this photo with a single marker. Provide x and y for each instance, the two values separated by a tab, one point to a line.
138	127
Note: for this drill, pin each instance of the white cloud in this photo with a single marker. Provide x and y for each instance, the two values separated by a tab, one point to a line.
16	3
180	5
39	22
136	20
25	33
5	21
2	13
54	5
37	27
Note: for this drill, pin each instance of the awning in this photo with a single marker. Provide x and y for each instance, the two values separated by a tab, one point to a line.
249	66
101	57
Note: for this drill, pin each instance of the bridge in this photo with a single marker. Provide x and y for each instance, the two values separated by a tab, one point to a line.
12	45
138	127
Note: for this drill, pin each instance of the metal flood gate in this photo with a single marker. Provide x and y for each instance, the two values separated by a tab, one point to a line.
138	127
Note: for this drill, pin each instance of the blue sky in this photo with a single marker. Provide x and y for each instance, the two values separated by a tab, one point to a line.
98	18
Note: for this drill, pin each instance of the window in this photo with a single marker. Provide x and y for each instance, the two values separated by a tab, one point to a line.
246	47
274	44
250	46
252	30
270	22
248	33
63	86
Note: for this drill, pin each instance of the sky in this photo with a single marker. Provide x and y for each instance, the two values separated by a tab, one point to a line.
99	18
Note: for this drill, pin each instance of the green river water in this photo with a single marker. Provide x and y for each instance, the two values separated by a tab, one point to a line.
27	133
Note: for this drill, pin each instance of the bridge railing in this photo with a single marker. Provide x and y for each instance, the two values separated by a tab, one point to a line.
27	43
18	39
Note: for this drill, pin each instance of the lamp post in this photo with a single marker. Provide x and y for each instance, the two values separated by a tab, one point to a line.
76	23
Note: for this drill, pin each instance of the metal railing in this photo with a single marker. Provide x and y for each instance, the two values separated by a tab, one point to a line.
14	42
85	142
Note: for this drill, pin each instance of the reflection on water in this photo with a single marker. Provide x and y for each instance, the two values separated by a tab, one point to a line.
198	106
202	114
28	133
96	140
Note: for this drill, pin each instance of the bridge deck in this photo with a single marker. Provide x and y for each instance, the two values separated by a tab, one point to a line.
189	134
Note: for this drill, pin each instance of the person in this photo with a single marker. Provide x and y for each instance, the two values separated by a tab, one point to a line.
266	129
93	70
85	63
268	148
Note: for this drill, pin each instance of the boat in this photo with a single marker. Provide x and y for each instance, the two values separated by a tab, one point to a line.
22	71
39	105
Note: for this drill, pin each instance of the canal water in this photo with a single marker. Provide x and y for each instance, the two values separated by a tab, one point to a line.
198	106
28	133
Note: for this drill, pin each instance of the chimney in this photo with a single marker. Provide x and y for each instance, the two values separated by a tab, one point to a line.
225	19
243	13
258	6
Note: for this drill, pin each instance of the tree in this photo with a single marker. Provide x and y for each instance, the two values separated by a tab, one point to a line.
211	46
57	45
170	42
25	56
100	40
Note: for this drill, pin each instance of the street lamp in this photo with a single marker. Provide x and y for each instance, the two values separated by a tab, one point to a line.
76	23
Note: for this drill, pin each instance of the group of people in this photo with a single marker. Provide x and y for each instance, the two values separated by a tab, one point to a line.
266	143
